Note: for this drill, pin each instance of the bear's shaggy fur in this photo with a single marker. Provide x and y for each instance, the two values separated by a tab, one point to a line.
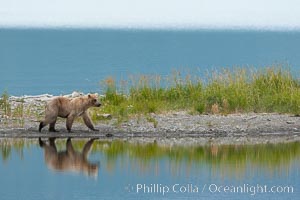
69	108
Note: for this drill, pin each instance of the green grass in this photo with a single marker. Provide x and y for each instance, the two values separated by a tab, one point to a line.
4	104
7	110
239	90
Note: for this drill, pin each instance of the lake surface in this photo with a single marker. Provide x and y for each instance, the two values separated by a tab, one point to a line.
36	61
115	169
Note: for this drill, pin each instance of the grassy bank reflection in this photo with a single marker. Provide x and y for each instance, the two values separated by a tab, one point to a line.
227	160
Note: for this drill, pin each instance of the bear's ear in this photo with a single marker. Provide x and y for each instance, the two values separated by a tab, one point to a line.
89	96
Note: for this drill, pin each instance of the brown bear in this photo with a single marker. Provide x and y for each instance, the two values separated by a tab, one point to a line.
69	108
69	160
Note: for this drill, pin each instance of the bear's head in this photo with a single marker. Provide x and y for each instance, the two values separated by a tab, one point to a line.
93	99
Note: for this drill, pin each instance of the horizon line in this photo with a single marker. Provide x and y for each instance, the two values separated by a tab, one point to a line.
155	28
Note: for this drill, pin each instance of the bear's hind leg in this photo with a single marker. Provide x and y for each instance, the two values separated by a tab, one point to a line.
52	144
52	127
69	147
46	122
41	142
42	125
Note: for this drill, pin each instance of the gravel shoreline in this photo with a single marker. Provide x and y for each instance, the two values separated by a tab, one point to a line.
173	127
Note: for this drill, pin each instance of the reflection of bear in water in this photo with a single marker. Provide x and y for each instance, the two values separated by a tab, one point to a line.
69	160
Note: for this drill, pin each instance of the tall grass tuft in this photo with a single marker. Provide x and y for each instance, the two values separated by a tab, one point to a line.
4	104
271	89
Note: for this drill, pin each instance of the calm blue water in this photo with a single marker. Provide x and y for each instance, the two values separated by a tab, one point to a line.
123	168
61	61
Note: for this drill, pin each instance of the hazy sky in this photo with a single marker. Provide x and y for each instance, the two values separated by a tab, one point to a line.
272	14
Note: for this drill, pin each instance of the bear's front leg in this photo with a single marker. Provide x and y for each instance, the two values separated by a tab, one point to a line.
87	148
69	122
88	121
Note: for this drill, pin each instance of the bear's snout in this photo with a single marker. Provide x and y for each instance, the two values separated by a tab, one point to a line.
98	104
